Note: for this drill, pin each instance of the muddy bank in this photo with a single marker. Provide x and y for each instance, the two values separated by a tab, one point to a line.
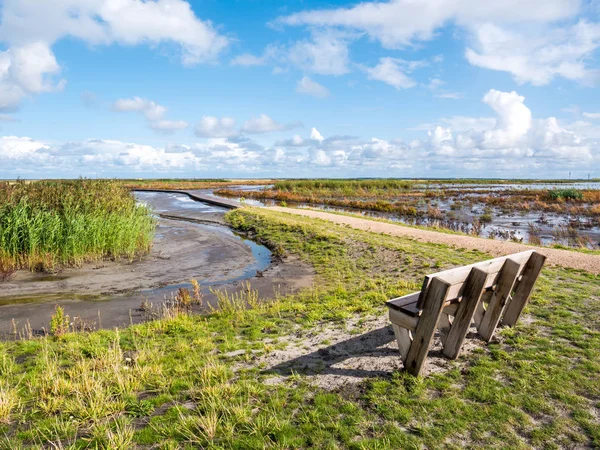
192	242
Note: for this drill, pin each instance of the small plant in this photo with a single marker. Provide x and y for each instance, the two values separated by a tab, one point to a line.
198	300
565	194
142	408
486	218
283	203
59	322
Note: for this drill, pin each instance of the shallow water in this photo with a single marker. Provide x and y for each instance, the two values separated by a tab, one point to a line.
514	226
228	260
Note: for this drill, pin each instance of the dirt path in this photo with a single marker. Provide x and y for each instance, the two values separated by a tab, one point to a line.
564	258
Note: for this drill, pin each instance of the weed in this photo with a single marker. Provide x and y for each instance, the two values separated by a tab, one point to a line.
59	322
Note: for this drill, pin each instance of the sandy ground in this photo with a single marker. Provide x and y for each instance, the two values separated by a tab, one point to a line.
337	357
564	258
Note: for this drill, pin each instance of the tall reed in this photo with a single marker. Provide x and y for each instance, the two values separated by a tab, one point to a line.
46	224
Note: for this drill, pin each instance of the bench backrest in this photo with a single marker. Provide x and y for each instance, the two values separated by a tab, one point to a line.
458	276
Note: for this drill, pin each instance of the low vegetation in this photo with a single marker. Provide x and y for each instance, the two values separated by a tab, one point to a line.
471	206
193	381
46	224
196	183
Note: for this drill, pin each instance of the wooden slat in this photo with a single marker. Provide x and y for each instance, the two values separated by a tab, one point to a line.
432	308
403	320
457	276
523	289
397	303
466	308
506	282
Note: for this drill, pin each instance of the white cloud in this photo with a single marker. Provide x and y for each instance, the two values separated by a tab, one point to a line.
538	59
152	111
265	124
531	39
31	27
513	134
398	23
167	126
392	71
26	70
315	135
248	60
214	127
13	147
592	116
325	54
514	119
435	86
311	87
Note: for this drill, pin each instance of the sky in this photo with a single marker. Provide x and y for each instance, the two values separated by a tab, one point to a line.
301	88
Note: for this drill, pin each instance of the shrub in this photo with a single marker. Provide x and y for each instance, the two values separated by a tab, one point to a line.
565	194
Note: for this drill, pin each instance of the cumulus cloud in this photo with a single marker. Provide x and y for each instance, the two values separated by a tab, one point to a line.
538	59
315	135
325	54
311	87
30	28
512	134
167	126
265	124
593	116
13	147
514	119
214	127
392	71
513	140
532	39
26	70
152	111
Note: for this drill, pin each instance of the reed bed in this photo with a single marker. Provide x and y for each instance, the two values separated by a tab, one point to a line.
49	224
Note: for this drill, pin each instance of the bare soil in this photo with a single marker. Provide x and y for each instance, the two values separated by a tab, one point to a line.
335	357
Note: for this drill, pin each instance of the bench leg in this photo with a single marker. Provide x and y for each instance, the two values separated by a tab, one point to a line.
432	309
444	326
404	339
500	296
523	289
464	315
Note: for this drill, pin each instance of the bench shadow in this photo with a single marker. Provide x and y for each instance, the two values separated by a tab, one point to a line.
323	360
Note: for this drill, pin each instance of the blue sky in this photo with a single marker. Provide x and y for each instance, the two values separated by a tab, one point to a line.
403	88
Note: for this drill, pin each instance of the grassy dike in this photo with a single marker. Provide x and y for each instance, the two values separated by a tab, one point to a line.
170	383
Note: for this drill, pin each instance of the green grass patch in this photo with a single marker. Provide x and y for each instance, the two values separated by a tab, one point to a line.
169	384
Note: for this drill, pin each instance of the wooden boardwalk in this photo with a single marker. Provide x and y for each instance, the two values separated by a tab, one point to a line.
218	201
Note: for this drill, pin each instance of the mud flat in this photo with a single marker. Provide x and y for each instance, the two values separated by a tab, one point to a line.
192	242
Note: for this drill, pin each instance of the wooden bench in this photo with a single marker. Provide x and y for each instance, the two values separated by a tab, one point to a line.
451	300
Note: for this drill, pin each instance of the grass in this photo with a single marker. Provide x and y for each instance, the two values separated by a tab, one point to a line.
195	183
47	224
171	384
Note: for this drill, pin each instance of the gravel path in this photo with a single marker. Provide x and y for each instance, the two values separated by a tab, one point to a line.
564	258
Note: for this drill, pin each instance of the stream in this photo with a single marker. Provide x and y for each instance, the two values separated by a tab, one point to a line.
191	241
